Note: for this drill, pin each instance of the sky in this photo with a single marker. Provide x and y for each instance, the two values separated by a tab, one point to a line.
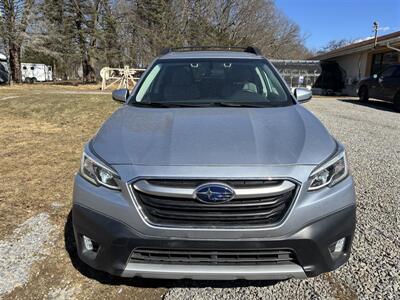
321	21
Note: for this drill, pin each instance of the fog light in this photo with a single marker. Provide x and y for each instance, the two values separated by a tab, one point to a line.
338	246
88	243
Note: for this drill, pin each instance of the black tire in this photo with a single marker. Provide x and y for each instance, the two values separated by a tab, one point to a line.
27	80
396	102
33	80
363	94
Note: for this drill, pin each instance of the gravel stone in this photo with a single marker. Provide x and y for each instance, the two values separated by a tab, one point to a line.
371	135
57	205
66	293
19	251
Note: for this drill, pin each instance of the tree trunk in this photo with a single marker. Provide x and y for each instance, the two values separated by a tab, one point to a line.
89	74
15	62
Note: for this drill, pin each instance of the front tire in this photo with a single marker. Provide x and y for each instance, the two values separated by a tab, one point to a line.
363	94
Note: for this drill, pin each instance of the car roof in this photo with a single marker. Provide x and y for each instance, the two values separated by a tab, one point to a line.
210	54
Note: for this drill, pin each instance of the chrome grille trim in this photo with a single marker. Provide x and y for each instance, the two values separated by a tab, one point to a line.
189	192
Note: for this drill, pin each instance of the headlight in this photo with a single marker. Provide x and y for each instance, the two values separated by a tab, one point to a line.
98	173
329	173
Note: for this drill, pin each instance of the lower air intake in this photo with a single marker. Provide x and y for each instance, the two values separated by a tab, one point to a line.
206	256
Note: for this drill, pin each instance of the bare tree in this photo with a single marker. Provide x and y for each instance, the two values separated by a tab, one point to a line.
96	33
14	16
335	44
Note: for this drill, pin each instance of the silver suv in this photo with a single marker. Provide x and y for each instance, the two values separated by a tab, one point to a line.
212	169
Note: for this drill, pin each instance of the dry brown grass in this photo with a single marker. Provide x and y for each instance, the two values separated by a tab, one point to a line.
41	138
55	86
61	87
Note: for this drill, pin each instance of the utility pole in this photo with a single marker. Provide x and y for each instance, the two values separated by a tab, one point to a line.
376	27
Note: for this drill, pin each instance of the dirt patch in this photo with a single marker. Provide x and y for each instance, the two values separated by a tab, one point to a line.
340	289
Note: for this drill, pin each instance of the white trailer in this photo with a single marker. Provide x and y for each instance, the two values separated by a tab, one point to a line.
36	72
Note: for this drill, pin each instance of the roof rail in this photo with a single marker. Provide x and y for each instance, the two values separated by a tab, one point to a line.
248	49
165	51
254	50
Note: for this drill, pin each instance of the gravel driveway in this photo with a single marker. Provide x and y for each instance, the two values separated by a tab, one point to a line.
371	134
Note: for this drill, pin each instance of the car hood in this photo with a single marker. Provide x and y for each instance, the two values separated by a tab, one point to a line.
213	136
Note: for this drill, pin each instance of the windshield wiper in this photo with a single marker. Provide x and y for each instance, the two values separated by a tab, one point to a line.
238	104
166	104
180	104
209	104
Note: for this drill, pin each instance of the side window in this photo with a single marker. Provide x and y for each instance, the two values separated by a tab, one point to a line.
23	68
388	72
147	82
397	73
32	68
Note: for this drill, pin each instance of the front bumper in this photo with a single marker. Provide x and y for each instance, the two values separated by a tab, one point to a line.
117	241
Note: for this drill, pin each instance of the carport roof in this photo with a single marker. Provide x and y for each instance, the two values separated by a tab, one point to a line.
360	46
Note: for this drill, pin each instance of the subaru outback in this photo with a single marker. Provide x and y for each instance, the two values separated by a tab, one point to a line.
213	169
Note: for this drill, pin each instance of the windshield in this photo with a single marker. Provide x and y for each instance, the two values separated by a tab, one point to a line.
211	83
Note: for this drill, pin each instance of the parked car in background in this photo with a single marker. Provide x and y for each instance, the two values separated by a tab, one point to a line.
32	73
383	86
213	169
3	69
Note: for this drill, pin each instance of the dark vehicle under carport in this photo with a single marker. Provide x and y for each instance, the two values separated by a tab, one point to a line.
383	86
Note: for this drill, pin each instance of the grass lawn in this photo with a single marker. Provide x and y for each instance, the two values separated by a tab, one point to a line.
41	137
42	132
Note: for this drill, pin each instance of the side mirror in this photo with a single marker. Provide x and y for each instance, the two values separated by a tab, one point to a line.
3	57
120	95
302	95
375	76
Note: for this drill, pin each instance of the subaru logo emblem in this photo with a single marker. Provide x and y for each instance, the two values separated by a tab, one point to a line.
214	193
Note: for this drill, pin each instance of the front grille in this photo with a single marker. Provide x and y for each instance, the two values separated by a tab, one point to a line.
238	212
206	256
